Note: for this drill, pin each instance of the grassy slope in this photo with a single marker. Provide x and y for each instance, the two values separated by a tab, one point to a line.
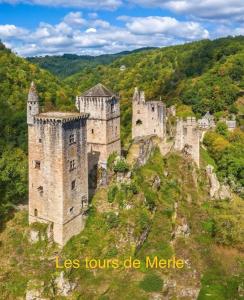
108	235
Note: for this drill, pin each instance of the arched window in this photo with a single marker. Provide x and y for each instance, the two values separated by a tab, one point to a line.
35	212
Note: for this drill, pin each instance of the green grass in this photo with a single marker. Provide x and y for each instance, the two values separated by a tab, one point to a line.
151	283
112	231
207	160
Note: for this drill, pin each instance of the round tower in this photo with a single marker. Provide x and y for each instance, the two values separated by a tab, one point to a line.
32	104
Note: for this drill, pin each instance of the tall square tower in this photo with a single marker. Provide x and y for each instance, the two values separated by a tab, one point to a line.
103	125
58	169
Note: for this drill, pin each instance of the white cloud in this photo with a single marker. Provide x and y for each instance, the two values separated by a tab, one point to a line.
89	30
11	31
80	35
167	26
74	18
206	9
94	4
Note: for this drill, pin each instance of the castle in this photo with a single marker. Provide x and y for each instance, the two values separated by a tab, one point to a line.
148	117
65	147
103	125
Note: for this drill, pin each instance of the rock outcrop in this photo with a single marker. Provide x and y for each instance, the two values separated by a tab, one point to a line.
34	290
217	191
64	287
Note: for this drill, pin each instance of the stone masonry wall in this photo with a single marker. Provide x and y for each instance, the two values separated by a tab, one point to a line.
149	117
52	195
103	128
187	138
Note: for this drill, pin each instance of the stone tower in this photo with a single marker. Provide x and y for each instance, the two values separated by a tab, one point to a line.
58	175
148	118
32	104
103	125
188	138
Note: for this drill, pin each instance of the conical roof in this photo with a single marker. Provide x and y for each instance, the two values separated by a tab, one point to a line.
33	95
98	90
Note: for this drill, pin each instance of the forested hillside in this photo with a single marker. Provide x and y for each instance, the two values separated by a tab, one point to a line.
69	64
204	75
162	209
16	75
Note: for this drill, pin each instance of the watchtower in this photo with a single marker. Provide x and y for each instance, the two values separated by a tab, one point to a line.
103	125
58	173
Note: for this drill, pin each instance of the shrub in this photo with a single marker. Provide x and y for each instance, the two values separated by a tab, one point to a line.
134	188
150	197
111	160
151	283
112	220
222	129
112	193
121	166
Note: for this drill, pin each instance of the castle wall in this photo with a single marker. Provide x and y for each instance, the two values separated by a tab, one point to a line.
188	138
149	117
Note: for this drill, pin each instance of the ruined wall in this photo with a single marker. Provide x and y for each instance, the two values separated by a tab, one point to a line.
187	138
149	117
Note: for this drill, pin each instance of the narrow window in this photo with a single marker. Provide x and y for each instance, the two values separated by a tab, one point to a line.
29	107
35	212
40	190
83	202
92	131
152	108
72	165
72	139
40	140
73	185
71	210
37	164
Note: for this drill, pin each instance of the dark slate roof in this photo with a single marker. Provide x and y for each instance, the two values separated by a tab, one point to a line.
98	90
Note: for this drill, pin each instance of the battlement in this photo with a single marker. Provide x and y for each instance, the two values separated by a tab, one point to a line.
59	117
191	121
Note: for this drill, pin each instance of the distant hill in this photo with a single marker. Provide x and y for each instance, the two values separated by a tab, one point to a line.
68	64
208	75
205	75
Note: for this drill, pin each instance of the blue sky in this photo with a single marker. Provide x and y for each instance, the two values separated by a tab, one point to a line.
53	27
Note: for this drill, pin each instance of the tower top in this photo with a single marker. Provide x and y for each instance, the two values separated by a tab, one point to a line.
98	90
138	95
33	95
